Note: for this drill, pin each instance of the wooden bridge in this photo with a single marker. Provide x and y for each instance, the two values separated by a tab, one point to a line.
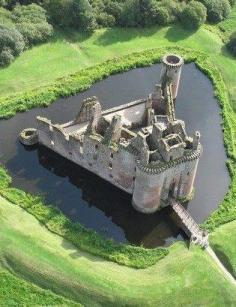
191	228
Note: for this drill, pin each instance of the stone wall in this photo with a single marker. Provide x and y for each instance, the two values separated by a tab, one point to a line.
152	189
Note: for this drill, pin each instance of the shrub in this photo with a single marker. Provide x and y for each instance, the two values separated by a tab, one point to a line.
113	8
217	10
82	16
11	44
173	7
231	45
232	2
5	17
194	15
71	13
31	21
130	14
154	13
162	16
105	19
58	11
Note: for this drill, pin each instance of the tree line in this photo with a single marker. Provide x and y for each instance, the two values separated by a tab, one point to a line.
24	23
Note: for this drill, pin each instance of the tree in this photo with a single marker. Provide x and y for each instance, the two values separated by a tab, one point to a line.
58	11
161	15
232	2
82	16
32	23
217	10
193	15
231	45
11	44
130	15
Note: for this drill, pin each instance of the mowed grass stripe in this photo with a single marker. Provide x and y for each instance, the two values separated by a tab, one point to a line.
30	250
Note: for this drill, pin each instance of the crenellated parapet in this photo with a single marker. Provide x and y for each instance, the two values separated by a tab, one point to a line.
162	167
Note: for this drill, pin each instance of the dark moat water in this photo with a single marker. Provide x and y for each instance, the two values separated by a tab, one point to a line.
97	204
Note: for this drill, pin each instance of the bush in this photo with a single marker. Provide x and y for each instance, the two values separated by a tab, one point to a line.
11	44
194	15
217	10
105	19
58	11
82	16
77	14
31	21
231	45
162	16
232	2
130	14
173	7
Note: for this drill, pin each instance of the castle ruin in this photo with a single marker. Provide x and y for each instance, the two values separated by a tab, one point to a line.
140	147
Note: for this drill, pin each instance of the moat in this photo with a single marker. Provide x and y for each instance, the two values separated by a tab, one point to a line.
97	204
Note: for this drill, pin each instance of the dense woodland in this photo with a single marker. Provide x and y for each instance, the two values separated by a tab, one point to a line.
28	22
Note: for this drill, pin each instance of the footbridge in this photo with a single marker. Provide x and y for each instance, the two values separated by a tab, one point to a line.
190	227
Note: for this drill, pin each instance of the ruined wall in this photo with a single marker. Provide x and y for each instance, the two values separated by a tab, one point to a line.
124	164
171	68
44	131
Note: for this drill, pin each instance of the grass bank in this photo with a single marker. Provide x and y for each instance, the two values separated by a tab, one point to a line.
68	52
17	292
183	277
223	241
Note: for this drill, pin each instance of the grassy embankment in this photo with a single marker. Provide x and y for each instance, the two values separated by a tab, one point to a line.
181	278
17	292
223	241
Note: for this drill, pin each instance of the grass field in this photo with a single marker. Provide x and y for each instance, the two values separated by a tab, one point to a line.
35	254
223	241
17	292
67	53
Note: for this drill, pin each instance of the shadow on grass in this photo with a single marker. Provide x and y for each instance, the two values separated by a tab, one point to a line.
70	35
224	259
120	35
76	252
115	35
177	33
225	52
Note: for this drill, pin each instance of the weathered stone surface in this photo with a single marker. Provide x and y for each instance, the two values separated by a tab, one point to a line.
140	147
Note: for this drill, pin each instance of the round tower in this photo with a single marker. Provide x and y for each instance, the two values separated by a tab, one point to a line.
171	70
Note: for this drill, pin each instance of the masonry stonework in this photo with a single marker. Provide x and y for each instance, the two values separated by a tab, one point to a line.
140	147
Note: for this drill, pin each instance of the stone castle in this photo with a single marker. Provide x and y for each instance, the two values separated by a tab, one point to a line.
140	147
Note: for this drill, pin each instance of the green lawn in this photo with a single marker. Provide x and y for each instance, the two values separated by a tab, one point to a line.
17	292
68	53
223	241
184	277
